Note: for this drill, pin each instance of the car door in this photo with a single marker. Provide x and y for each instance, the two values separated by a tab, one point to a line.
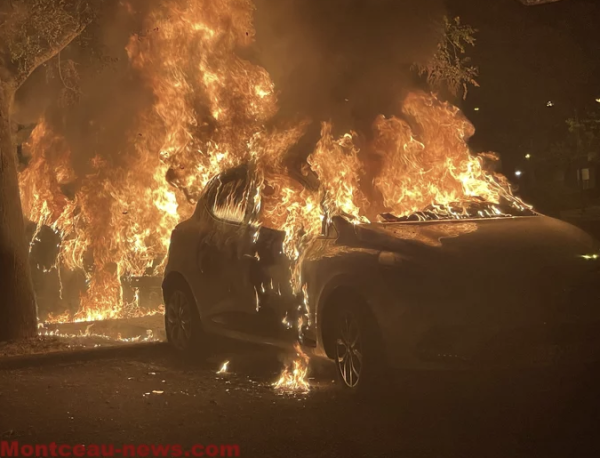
221	259
267	269
243	264
270	277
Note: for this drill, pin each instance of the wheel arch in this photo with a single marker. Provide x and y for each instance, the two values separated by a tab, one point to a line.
339	293
173	280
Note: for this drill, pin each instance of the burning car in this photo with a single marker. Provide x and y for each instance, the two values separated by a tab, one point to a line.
495	287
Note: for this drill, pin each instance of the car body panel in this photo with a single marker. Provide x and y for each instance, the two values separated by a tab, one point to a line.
443	293
482	277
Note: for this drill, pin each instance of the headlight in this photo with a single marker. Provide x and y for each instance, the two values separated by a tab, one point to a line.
591	256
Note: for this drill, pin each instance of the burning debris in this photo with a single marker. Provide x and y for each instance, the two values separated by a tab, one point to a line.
293	377
149	337
106	332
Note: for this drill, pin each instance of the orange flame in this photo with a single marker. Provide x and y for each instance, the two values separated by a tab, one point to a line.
434	168
293	377
338	167
213	110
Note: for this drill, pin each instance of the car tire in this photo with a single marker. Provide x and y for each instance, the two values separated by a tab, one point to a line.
358	349
182	323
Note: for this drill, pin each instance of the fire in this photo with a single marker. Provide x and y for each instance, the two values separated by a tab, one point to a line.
223	369
149	337
213	110
118	222
338	167
293	378
108	227
435	169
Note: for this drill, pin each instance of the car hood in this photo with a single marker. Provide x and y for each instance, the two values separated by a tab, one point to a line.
506	261
495	242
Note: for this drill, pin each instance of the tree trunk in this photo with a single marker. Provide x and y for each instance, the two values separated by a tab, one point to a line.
17	301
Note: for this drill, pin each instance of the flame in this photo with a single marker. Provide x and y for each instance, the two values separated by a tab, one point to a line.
338	167
223	369
119	220
435	169
149	337
229	201
293	378
213	110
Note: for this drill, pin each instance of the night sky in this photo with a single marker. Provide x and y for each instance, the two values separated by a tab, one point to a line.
527	56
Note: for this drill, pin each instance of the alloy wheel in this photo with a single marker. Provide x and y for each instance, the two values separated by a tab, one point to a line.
179	320
349	349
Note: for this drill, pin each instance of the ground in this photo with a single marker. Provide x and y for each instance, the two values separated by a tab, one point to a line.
151	397
68	337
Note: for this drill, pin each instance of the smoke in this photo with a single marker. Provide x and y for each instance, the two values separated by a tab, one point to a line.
91	96
344	60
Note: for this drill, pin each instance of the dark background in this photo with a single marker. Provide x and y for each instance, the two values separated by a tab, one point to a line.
527	56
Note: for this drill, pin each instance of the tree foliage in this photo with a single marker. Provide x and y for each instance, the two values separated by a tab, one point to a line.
33	31
580	142
86	56
585	131
450	67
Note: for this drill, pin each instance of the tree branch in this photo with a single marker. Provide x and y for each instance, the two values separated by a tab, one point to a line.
48	54
61	75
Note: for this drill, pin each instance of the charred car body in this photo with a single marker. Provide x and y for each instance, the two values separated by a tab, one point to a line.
423	294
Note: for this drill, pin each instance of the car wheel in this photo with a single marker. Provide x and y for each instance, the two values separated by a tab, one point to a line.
358	350
182	323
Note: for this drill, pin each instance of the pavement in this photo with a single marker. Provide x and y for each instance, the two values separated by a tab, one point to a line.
147	395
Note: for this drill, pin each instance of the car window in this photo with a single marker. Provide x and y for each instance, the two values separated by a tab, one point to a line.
229	198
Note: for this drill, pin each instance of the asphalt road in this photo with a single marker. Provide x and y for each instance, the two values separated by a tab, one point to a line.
544	414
